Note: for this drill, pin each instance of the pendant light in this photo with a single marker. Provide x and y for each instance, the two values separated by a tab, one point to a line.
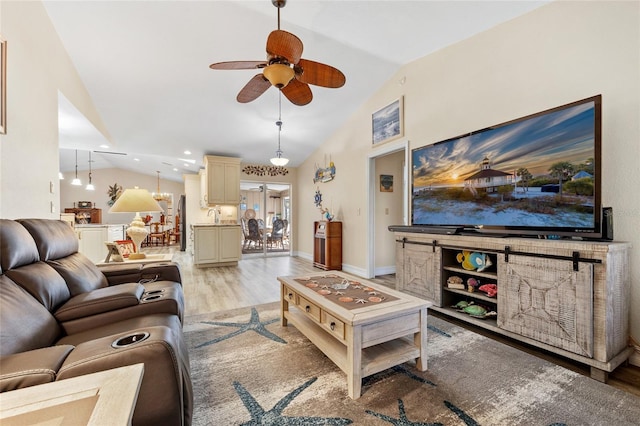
279	160
90	186
160	196
76	181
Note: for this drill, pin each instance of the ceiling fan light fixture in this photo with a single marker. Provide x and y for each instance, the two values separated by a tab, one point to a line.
279	75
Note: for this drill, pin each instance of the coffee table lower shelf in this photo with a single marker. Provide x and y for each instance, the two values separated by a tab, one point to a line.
374	358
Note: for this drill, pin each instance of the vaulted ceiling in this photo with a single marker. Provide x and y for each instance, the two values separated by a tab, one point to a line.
146	67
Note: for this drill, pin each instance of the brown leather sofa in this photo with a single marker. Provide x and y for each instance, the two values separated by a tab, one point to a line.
61	316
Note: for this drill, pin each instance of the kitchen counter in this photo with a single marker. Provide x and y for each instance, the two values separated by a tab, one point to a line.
216	244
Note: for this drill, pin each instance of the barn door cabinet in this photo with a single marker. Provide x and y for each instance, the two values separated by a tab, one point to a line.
568	297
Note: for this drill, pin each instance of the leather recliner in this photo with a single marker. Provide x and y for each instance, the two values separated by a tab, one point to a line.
61	316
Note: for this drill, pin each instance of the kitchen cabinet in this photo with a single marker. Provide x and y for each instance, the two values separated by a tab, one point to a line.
216	245
91	239
223	180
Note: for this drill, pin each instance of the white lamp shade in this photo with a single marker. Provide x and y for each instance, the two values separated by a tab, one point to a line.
279	161
135	200
76	182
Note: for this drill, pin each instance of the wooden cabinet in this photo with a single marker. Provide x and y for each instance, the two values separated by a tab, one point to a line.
568	297
327	245
86	215
223	180
216	245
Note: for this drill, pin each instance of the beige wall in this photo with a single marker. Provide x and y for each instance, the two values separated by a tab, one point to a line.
37	68
102	179
559	53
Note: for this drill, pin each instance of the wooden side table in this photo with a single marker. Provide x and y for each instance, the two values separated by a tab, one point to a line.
327	246
106	397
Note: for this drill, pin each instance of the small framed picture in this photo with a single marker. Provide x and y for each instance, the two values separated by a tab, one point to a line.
387	123
386	183
126	247
113	253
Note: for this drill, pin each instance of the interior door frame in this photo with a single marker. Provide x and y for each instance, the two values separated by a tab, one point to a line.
388	148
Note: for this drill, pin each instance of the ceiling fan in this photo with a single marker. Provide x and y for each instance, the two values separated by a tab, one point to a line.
284	69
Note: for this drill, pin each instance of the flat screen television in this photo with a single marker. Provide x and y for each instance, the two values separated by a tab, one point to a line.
538	175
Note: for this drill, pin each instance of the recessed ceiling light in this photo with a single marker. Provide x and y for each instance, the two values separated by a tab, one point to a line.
187	152
187	160
175	169
104	146
186	165
136	159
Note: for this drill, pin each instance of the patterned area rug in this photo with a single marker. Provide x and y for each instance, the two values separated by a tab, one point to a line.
248	370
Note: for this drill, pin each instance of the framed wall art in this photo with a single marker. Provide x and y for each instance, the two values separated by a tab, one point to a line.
386	183
387	123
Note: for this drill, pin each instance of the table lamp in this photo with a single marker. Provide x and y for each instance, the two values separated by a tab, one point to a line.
136	200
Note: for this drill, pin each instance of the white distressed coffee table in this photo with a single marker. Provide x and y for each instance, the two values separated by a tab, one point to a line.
363	328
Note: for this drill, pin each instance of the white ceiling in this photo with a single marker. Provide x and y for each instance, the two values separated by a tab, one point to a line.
146	67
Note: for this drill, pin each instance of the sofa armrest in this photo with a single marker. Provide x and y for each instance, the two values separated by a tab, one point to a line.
100	300
120	273
165	394
31	368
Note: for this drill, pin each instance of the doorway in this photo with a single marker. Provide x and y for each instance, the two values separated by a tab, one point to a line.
265	218
386	205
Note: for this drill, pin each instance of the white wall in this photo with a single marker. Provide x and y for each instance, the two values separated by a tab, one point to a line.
37	68
559	53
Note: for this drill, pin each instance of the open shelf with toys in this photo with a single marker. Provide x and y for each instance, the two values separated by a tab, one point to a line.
469	282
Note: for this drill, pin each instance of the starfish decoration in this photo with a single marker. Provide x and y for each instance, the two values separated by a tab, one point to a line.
339	293
393	370
437	330
402	420
373	293
254	324
274	416
361	301
468	421
357	287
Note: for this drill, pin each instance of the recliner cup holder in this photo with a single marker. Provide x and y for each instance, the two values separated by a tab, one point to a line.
123	342
152	292
150	298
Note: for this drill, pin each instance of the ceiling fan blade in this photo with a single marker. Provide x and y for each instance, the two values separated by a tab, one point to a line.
319	74
253	89
285	45
238	65
297	92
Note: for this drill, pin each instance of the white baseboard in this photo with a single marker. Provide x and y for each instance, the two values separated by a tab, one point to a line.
385	270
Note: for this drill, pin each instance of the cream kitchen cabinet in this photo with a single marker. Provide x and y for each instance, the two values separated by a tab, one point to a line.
91	241
216	245
223	180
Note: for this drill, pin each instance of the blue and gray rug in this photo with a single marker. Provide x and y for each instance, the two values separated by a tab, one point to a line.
248	370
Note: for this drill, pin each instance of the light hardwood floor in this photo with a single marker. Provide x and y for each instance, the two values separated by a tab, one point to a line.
254	282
